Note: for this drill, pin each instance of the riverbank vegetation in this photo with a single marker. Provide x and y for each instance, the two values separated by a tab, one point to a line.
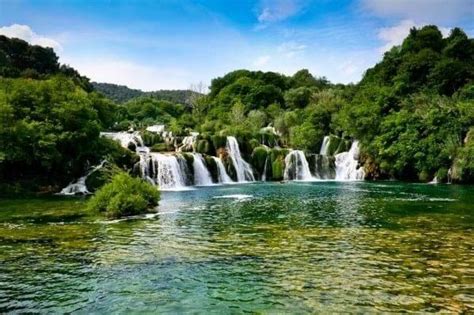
412	113
124	195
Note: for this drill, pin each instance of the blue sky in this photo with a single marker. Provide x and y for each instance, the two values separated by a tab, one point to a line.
171	44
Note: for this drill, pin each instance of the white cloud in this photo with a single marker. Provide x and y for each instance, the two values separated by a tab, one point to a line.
261	61
430	11
393	36
125	72
291	49
26	33
279	10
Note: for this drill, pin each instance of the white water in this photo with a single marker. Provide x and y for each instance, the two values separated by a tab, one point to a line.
202	177
79	187
264	175
347	163
187	144
125	138
224	178
296	166
325	146
243	169
165	171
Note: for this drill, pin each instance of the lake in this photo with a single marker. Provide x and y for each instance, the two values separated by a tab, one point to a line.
297	247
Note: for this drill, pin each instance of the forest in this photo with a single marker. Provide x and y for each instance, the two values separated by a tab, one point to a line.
413	113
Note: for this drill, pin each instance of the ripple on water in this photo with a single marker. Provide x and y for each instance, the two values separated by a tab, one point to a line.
283	248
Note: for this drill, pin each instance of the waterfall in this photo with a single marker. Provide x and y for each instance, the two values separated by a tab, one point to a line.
324	167
264	174
79	187
296	166
165	171
202	177
187	144
125	138
325	146
347	162
243	169
222	174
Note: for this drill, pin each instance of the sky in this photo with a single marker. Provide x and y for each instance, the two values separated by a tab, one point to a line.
173	44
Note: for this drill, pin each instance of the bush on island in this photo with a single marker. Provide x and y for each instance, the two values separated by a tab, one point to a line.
124	195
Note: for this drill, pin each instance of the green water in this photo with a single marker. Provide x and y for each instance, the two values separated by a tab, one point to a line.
265	248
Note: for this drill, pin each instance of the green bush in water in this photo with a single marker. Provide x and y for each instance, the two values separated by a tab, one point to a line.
160	147
334	143
150	138
258	158
123	196
278	168
219	141
203	147
442	175
230	168
463	166
424	176
100	177
212	168
277	158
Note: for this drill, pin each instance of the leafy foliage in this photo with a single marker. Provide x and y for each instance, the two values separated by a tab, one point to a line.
124	196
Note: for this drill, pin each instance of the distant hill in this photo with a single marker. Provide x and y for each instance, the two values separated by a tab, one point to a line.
122	93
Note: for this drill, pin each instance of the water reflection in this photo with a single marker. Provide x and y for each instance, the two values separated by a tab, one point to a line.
293	247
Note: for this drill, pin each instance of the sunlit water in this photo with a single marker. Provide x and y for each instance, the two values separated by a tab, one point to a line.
269	248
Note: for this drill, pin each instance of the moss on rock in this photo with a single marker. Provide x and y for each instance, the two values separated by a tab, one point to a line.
258	158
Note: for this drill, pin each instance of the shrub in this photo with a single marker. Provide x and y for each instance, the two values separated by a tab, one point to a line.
160	147
123	196
259	157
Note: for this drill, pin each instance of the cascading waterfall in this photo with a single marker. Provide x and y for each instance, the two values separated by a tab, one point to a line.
165	171
325	146
79	187
172	172
223	177
242	168
125	138
264	174
347	164
297	167
202	177
324	167
187	144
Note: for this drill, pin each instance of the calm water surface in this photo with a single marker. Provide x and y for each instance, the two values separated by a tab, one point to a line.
268	248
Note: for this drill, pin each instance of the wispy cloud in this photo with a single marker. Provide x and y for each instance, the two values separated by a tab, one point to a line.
26	33
271	11
428	11
291	48
394	35
261	61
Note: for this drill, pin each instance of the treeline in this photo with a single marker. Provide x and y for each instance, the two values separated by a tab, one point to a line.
122	93
413	112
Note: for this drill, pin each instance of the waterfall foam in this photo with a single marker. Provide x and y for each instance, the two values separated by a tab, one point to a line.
223	177
202	177
165	171
296	166
79	187
125	138
242	168
187	145
325	146
347	164
324	167
264	174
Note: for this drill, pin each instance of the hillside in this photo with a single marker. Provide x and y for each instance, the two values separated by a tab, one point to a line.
122	93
